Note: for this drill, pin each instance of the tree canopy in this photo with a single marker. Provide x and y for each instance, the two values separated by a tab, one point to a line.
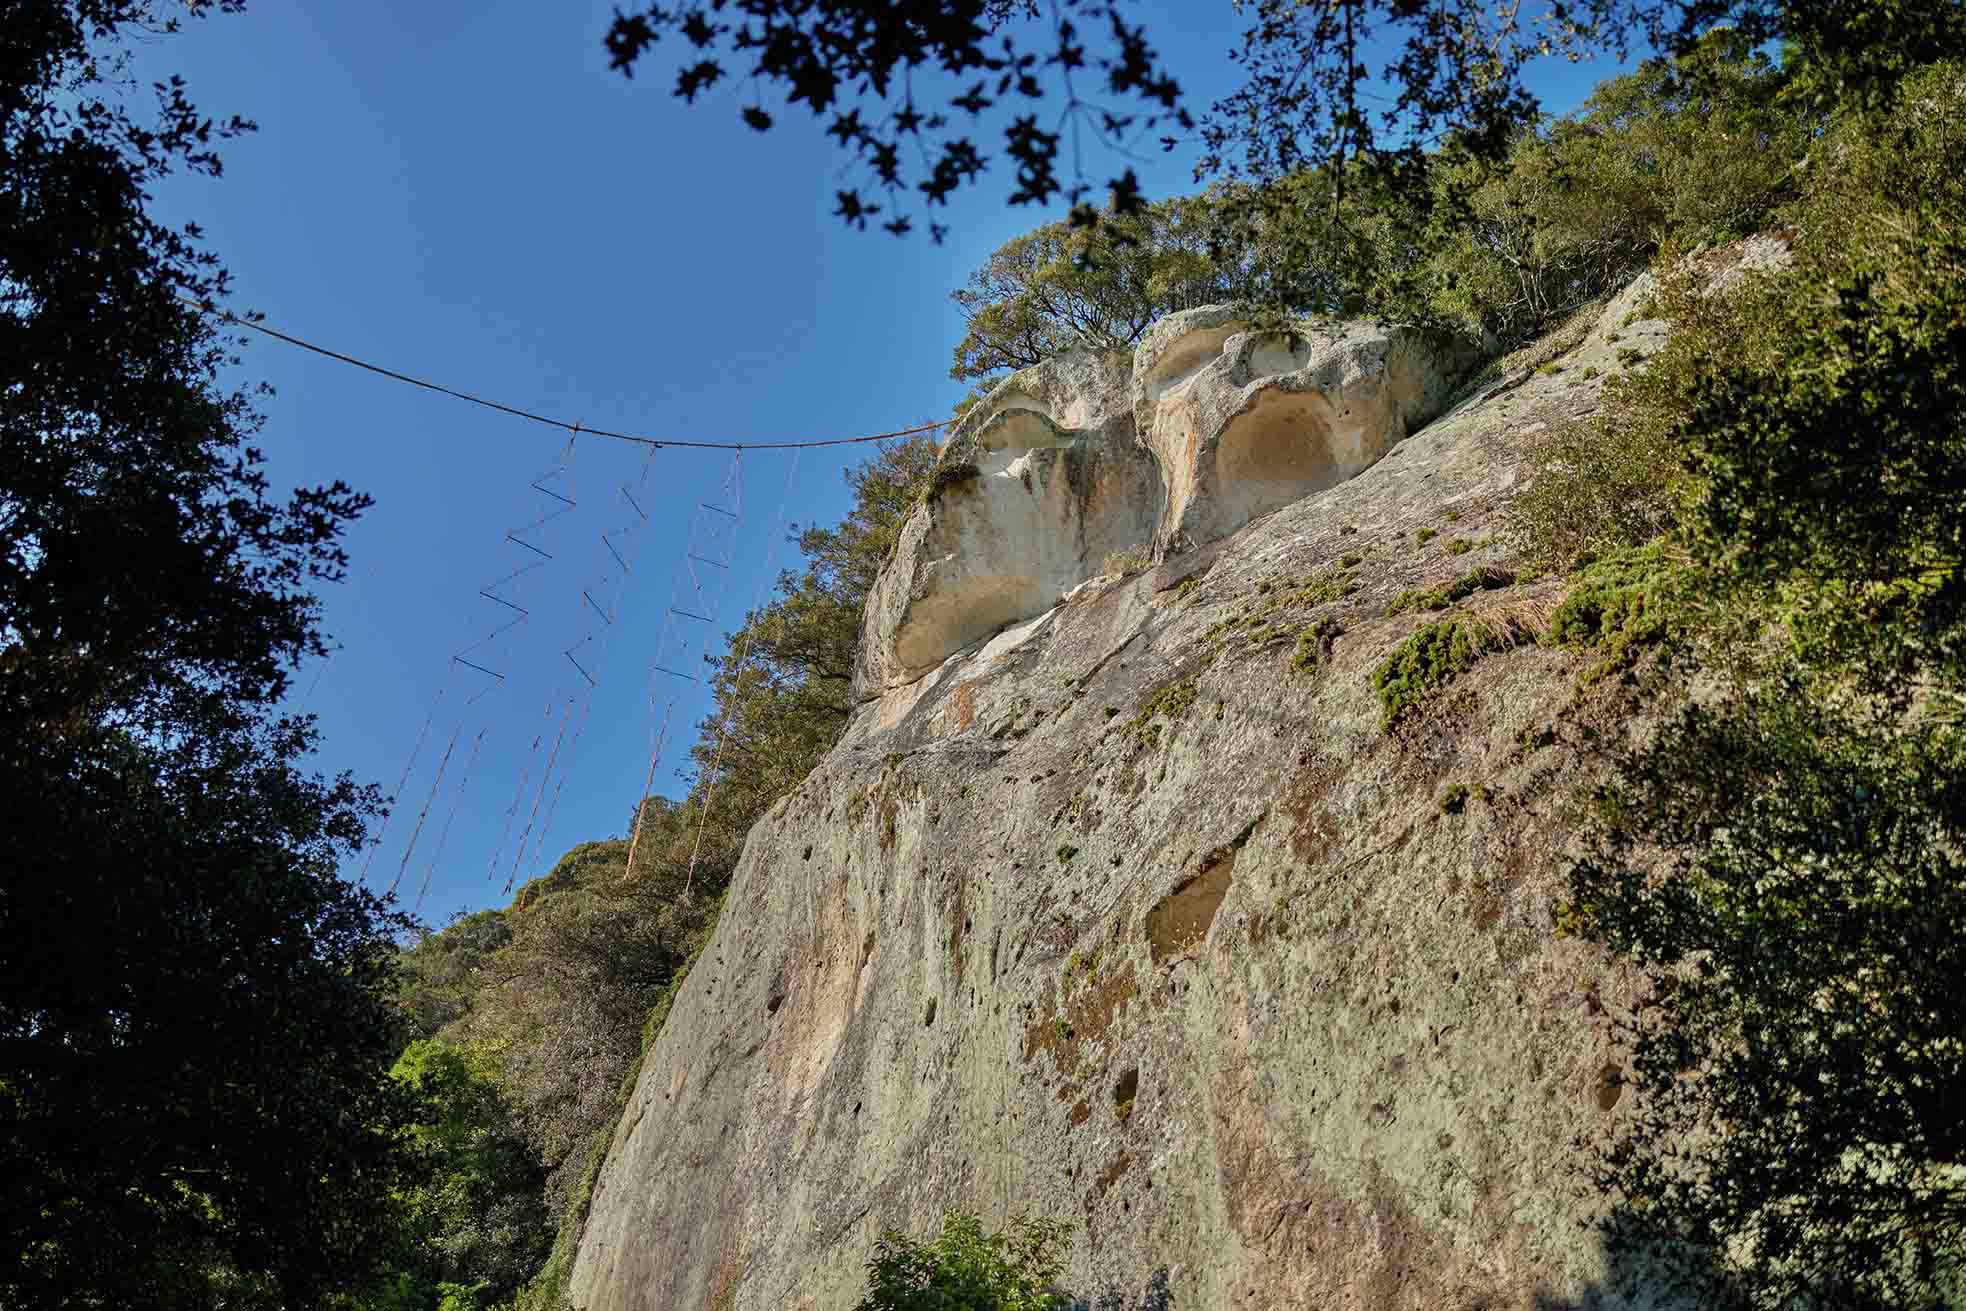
194	1022
1063	288
856	65
1348	89
1783	857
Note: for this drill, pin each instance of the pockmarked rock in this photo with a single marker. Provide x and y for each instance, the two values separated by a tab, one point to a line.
1128	916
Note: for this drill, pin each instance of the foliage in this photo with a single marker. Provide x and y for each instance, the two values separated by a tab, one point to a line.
1616	607
1314	644
194	1027
1784	857
842	57
1601	485
1828	489
440	975
963	1269
1697	148
1449	78
1799	1070
1420	667
1486	578
1170	701
1062	287
472	1224
563	1001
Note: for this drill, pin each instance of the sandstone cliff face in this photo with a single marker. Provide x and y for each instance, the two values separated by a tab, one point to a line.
1116	910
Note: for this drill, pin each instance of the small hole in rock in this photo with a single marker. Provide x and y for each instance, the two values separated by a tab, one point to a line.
1610	1087
928	1017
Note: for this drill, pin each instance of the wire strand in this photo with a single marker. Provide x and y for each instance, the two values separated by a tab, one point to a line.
563	425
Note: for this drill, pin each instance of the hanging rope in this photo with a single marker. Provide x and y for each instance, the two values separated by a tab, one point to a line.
711	525
631	535
436	784
567	502
444	835
545	775
737	661
518	413
401	783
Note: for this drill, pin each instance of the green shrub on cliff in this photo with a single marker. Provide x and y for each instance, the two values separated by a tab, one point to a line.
1784	858
964	1269
1617	608
1421	667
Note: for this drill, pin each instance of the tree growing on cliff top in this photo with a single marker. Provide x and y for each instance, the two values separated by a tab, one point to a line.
1063	288
194	1032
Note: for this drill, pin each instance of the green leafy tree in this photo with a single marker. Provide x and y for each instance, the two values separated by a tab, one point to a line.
194	1019
473	1225
1065	288
563	1001
1353	89
1682	151
1785	857
441	972
964	1269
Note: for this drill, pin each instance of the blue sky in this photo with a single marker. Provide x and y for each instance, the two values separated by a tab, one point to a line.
463	191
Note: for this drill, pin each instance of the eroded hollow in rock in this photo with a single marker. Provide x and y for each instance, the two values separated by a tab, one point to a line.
1276	452
1180	920
1022	513
980	607
1016	429
1276	353
1186	356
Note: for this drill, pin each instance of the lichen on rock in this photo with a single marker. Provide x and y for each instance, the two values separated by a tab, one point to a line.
1346	1057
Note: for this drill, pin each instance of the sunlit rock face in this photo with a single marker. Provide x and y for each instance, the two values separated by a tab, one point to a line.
1130	918
1040	483
1208	426
1245	421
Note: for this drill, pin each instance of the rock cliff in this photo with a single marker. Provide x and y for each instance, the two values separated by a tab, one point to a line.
1122	902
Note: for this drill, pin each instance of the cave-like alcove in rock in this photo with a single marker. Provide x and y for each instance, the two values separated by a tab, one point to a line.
1278	451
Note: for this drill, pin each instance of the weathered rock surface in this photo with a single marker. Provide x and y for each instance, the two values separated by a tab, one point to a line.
1243	422
1121	917
1207	426
1036	487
